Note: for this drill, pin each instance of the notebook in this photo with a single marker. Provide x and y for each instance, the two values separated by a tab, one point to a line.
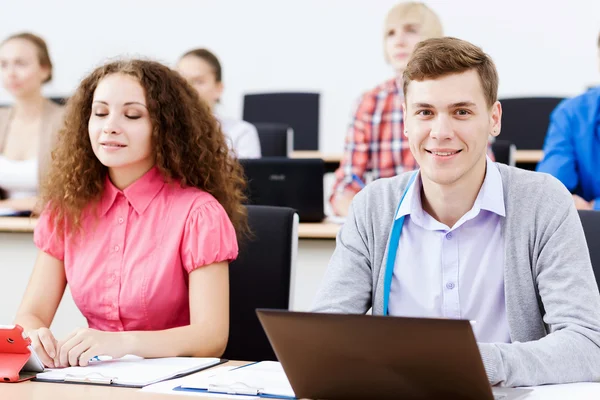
129	371
264	379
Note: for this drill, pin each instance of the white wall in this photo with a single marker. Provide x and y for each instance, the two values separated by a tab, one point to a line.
332	46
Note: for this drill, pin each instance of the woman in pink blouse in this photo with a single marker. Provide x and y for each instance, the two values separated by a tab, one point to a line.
141	209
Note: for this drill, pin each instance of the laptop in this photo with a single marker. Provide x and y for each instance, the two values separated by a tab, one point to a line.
340	356
287	182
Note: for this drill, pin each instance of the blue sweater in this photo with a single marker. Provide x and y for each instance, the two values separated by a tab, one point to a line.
572	147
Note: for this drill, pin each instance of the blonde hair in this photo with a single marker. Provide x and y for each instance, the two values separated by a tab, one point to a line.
413	12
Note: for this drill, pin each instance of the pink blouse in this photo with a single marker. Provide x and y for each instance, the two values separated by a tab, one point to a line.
129	269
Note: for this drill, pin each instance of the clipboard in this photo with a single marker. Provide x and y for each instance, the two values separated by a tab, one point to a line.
18	361
129	371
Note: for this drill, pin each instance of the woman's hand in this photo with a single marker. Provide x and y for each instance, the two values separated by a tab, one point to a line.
85	343
45	345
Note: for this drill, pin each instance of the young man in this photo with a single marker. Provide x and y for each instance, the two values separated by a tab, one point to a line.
468	238
571	148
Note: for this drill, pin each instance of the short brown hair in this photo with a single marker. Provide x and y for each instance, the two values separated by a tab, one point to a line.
42	50
210	58
434	58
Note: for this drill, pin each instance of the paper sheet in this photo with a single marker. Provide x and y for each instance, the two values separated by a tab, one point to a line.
131	370
267	377
167	387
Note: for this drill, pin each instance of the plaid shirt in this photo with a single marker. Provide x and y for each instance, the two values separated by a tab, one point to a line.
375	142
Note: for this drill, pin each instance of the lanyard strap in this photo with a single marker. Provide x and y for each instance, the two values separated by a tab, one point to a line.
393	248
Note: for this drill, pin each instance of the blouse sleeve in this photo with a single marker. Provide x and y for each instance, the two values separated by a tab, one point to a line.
46	236
209	237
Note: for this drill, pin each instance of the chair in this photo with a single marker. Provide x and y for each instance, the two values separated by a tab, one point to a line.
504	152
298	110
261	277
525	120
591	226
60	100
276	140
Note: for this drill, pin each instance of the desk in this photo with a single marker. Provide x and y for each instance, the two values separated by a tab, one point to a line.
59	391
42	390
322	230
14	224
306	230
522	156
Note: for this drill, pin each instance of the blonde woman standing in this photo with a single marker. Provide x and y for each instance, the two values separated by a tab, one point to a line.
374	141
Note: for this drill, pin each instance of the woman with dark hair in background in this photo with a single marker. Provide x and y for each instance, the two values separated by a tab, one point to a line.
29	126
202	70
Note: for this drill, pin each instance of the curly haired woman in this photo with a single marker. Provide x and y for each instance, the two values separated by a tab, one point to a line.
142	212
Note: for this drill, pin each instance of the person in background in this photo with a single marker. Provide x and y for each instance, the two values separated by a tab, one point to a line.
27	128
374	142
203	71
142	208
572	146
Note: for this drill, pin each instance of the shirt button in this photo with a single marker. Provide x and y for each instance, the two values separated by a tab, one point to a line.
449	285
117	248
449	235
121	220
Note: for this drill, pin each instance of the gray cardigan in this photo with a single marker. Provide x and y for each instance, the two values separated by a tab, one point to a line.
552	301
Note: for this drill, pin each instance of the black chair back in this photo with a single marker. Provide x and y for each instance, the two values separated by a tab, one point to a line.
260	278
591	226
298	110
276	140
504	152
525	120
60	100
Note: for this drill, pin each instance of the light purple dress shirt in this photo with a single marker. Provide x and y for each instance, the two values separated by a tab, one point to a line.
456	272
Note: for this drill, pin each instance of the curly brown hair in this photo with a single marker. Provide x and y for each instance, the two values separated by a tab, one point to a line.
189	146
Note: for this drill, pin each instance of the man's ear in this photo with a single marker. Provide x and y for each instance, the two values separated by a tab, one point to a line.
496	119
405	133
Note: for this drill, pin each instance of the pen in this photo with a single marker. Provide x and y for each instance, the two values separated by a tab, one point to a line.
100	358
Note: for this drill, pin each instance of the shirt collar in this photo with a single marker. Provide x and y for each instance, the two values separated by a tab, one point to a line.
490	197
139	194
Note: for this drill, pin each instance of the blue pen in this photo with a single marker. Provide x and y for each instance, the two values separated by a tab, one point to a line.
356	179
100	358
